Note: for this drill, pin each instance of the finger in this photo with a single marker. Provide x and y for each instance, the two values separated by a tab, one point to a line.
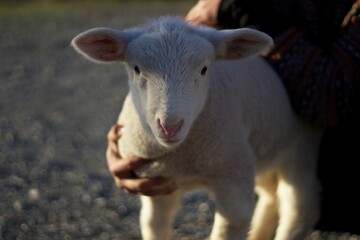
200	21
114	133
119	172
192	18
143	184
134	186
112	137
149	186
123	168
112	150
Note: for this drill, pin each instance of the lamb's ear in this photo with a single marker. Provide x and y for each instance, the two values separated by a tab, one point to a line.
238	43
102	44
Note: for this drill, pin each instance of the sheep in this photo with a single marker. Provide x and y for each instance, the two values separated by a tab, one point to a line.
213	115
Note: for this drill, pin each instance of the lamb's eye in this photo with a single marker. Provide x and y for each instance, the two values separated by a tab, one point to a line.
136	70
204	70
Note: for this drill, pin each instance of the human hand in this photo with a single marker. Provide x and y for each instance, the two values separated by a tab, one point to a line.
122	170
204	12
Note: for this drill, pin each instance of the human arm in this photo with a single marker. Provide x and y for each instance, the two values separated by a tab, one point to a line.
204	12
235	14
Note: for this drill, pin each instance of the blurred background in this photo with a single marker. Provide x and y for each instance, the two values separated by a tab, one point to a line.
55	110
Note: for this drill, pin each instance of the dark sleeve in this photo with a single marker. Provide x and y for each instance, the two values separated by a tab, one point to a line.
261	15
331	15
233	13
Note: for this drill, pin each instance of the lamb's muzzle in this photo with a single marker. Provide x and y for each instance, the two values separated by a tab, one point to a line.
170	131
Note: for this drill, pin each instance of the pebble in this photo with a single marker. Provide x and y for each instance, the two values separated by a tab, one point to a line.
203	207
33	194
100	202
24	227
18	206
86	199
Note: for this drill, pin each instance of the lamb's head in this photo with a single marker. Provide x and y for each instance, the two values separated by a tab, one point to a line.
169	63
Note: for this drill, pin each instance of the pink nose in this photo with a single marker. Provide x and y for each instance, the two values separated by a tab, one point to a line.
170	130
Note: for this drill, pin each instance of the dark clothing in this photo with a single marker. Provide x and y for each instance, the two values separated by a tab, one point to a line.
267	16
317	56
338	173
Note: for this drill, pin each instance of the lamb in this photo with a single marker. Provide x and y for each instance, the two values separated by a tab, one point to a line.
213	115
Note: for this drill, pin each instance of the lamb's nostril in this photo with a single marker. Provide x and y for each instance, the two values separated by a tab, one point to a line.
170	130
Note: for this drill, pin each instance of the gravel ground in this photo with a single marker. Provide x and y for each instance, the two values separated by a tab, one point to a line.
55	110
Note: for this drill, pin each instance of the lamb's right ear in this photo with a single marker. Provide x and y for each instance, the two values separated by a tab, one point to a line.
237	43
102	44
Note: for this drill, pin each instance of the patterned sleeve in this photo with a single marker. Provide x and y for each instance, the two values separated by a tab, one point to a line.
315	54
320	65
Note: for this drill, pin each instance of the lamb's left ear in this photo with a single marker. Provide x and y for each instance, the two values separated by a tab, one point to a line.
238	43
103	44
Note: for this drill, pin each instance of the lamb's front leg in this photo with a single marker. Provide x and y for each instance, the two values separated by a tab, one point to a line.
235	201
157	214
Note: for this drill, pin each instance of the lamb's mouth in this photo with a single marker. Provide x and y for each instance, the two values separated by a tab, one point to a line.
170	142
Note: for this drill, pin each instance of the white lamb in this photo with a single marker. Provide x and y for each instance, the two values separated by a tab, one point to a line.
216	122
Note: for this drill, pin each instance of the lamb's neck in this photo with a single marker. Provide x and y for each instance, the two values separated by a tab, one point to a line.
205	124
